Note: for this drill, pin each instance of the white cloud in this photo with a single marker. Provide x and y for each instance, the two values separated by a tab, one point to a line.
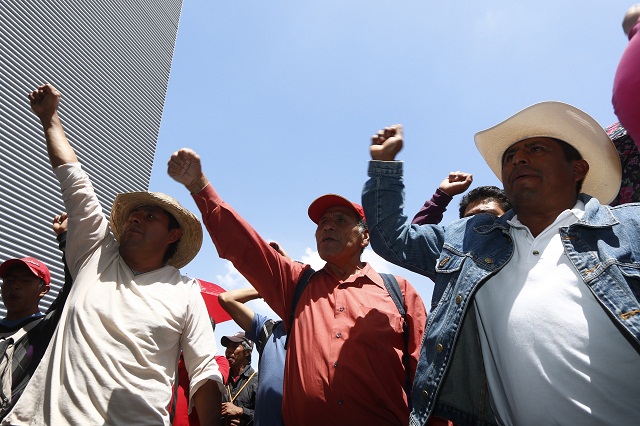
232	279
312	258
376	262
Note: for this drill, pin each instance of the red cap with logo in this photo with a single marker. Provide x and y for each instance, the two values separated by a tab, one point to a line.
329	200
38	268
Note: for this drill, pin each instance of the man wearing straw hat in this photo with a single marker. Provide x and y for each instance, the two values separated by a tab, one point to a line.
535	315
113	357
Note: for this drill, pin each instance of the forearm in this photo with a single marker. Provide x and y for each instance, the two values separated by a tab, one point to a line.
61	298
274	276
233	302
414	247
58	147
433	210
247	415
207	401
241	295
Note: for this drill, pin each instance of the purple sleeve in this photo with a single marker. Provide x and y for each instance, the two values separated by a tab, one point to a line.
626	86
432	211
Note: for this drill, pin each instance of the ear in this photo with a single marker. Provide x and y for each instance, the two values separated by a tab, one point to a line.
580	170
174	235
43	291
365	238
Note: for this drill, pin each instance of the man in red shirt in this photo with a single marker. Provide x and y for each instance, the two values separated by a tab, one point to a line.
345	354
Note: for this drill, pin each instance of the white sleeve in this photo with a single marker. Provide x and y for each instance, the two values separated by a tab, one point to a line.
199	344
88	226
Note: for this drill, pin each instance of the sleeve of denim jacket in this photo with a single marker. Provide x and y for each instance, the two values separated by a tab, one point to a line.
393	237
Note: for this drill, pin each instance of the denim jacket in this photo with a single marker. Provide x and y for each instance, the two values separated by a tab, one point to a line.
450	381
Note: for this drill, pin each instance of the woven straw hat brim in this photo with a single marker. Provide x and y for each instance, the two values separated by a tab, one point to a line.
567	123
191	239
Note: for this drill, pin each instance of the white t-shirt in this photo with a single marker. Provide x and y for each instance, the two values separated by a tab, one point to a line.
113	358
551	353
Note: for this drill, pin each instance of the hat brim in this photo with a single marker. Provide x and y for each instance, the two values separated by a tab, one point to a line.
566	123
191	240
225	340
321	204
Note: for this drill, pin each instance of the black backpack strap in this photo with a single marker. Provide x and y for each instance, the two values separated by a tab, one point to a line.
393	288
297	293
265	332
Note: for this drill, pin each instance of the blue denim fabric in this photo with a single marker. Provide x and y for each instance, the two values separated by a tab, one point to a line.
450	380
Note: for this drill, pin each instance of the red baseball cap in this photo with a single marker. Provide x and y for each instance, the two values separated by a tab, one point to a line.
318	207
38	268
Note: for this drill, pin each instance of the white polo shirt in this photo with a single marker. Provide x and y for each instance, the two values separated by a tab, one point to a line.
551	353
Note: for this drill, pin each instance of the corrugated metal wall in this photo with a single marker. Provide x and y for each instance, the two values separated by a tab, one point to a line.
111	61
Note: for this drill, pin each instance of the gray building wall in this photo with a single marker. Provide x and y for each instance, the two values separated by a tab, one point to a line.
111	61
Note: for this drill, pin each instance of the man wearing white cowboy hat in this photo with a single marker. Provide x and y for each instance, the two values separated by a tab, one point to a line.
130	313
351	354
535	315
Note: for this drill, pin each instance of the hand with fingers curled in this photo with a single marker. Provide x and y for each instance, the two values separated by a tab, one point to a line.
60	223
185	167
386	143
44	102
456	183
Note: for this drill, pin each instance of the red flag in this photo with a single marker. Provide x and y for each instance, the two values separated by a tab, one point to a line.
210	292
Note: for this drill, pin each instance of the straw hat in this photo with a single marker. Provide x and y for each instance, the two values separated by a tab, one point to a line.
191	239
566	123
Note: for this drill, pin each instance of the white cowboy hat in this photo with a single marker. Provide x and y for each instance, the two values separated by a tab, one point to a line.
564	122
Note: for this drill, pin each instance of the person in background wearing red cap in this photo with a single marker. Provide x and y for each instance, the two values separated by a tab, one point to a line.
348	358
24	282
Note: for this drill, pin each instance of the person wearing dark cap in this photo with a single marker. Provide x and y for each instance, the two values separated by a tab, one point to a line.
239	402
113	358
270	336
535	314
351	353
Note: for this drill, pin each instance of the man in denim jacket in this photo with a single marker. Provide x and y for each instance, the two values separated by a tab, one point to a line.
535	315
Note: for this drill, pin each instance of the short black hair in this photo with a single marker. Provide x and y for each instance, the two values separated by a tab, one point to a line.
248	349
362	224
173	247
571	154
484	193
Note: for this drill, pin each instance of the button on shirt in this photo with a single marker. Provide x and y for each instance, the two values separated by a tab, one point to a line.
548	347
344	361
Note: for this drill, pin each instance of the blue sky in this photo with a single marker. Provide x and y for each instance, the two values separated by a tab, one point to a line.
281	98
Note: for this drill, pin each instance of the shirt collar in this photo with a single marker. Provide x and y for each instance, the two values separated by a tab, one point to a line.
565	218
367	273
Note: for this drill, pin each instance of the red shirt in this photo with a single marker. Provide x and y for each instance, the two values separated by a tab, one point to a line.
344	363
182	417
